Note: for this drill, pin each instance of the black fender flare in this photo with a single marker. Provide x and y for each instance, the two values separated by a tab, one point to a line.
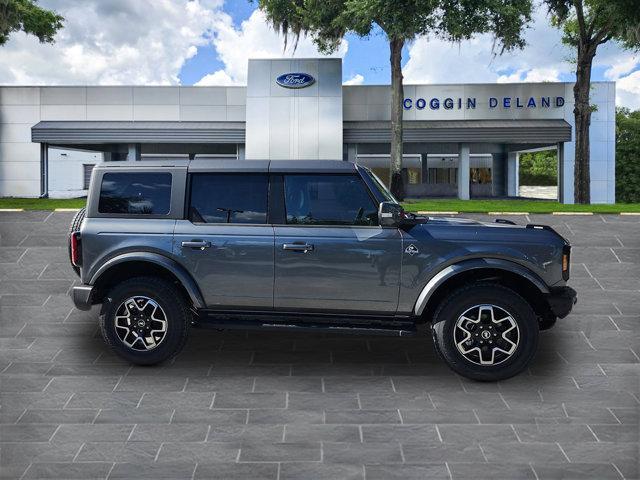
172	266
474	264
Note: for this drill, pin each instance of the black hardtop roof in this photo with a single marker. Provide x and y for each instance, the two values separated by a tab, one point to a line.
233	165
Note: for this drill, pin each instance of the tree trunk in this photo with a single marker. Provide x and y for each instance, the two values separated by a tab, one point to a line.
397	97
582	115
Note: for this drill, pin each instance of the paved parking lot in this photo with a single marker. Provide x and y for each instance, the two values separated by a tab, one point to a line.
273	405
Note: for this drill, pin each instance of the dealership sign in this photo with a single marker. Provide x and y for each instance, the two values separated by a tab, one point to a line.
295	80
469	103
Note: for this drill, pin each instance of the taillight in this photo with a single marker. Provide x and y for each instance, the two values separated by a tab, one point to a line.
76	249
566	261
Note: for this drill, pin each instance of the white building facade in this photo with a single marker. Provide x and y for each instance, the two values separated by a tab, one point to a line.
460	140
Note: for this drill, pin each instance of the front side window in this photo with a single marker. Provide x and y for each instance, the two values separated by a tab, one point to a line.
135	193
229	198
328	200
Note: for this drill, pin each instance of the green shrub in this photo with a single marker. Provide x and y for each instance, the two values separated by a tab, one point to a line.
627	156
539	168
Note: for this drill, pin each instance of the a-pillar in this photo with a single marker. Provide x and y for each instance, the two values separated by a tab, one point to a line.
513	166
134	154
463	171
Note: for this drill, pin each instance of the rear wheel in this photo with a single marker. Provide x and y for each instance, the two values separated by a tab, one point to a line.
145	320
485	332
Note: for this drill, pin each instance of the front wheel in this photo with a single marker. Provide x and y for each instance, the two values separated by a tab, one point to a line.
145	320
485	332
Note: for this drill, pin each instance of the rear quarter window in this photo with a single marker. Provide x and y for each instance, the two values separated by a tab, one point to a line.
135	193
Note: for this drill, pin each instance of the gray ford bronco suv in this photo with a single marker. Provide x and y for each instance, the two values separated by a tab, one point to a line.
318	245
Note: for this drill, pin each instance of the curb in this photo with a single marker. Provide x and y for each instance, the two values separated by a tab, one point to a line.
507	213
11	209
630	213
66	210
436	212
571	213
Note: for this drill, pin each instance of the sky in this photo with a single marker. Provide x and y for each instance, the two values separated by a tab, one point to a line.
208	42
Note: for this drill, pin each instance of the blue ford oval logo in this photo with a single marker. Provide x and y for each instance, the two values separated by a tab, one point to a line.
295	80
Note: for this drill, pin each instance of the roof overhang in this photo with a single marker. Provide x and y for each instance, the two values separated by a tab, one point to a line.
69	133
449	131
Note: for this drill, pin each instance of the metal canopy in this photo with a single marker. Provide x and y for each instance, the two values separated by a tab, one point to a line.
435	131
450	131
69	133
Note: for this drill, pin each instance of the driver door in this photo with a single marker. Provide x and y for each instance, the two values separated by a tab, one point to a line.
332	255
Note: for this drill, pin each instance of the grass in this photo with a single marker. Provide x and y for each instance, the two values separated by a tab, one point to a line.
42	203
432	205
529	206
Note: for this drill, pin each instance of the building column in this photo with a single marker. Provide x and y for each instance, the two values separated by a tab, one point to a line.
513	171
463	171
134	154
240	151
561	177
44	170
498	174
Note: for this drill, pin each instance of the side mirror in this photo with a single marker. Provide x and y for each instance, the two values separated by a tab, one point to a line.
390	214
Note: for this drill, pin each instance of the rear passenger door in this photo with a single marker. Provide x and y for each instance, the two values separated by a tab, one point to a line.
225	241
331	255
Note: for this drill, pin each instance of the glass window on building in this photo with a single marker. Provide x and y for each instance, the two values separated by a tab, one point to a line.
86	173
480	175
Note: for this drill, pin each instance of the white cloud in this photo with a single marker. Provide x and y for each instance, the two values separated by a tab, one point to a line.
217	78
628	91
357	79
114	42
436	61
531	75
253	39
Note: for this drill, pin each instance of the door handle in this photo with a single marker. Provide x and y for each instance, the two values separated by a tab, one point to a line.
298	247
201	244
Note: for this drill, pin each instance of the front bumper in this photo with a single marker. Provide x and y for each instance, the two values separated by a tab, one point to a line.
561	300
82	296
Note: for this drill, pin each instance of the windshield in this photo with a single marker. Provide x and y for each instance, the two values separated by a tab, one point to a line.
388	196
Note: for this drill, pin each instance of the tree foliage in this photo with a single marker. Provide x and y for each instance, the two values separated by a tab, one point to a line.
627	156
539	168
27	16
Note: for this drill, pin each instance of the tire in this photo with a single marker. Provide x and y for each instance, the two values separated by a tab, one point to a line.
76	223
173	308
499	360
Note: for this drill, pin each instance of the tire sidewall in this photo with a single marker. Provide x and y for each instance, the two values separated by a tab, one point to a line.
168	299
458	303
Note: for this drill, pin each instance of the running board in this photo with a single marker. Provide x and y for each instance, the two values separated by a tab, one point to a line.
225	322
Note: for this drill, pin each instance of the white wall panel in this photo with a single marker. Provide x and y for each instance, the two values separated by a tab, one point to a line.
63	95
19	95
63	112
109	95
203	113
110	112
19	114
156	112
156	95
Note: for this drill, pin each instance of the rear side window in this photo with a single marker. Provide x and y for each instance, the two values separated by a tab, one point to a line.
328	200
229	198
135	193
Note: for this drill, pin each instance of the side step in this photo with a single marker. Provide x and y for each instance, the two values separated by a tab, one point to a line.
272	322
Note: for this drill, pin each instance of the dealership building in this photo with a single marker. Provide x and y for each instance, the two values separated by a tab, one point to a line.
460	140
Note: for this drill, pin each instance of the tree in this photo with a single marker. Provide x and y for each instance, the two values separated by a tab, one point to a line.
28	17
587	24
327	21
627	156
